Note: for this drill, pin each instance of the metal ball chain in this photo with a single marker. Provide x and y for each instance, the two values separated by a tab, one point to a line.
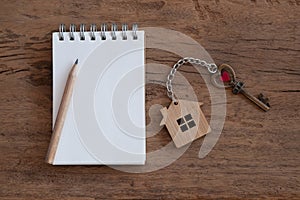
211	67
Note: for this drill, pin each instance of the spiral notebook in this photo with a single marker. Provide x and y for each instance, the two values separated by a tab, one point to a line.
105	121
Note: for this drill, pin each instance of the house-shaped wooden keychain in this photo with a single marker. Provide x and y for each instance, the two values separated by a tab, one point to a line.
185	121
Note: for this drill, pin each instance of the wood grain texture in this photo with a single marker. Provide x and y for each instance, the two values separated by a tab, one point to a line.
257	155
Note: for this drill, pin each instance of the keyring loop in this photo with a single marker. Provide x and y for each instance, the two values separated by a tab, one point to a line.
212	68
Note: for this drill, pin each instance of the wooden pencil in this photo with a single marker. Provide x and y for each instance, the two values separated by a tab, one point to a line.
61	115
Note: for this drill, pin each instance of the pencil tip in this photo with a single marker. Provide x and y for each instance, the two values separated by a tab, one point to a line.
76	62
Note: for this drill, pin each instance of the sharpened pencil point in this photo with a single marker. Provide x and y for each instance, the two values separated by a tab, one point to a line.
76	62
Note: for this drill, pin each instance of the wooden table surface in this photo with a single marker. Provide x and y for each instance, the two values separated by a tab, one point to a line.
257	154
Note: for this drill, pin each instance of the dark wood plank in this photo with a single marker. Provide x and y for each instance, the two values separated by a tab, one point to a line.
257	155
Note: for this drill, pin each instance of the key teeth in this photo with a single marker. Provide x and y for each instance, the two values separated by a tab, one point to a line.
263	99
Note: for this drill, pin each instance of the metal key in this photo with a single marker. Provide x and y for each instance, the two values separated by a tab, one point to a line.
229	81
237	87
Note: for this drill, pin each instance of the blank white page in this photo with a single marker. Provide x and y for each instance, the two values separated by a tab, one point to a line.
105	122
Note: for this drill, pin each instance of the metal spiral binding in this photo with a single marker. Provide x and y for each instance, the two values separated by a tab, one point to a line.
72	30
82	29
102	31
62	29
134	29
114	28
124	30
93	31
